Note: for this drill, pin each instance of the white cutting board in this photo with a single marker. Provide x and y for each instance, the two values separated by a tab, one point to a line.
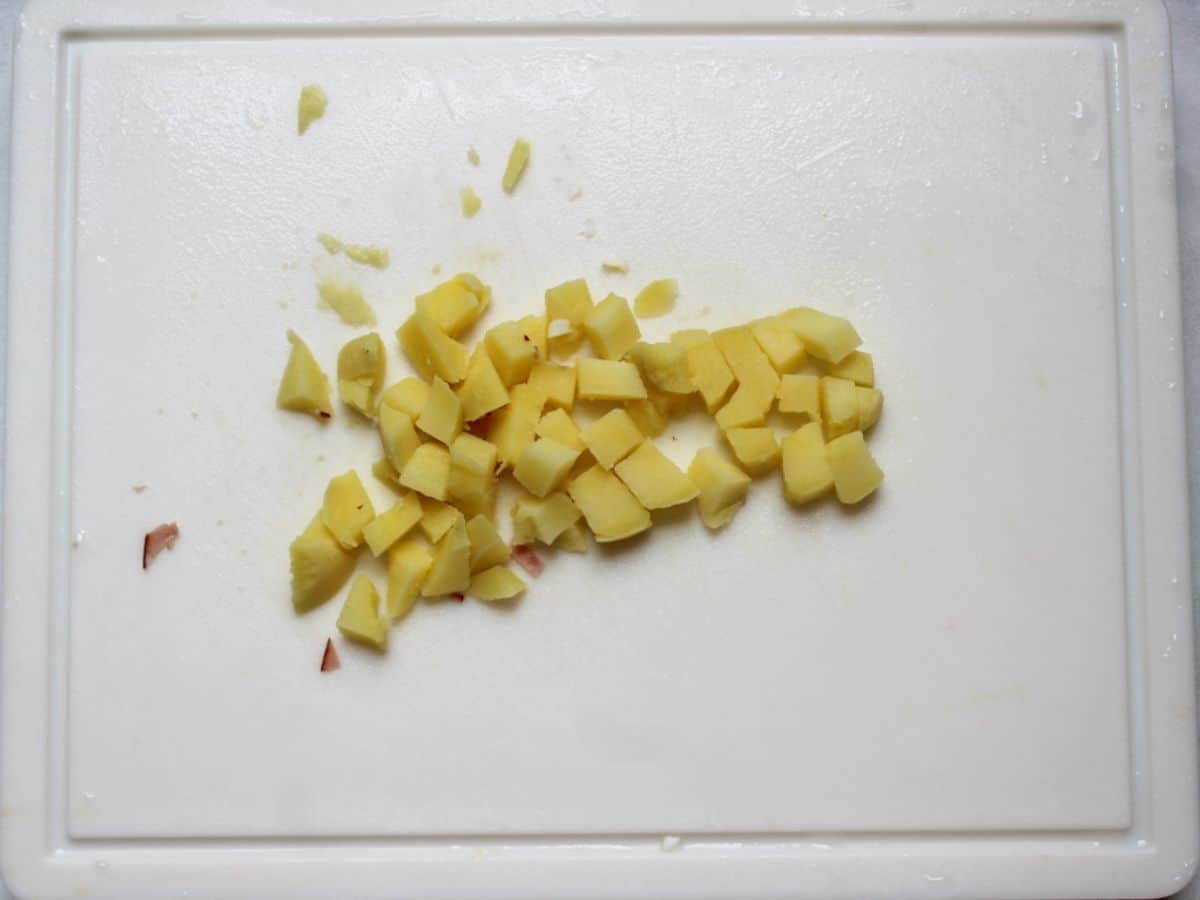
977	686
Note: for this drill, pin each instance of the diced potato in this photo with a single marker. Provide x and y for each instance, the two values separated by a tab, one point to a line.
751	367
663	366
559	426
839	406
649	415
431	351
320	566
346	509
359	619
534	328
858	367
303	387
450	571
745	409
408	563
611	327
543	520
469	201
437	518
487	547
855	473
482	292
707	368
386	472
556	382
472	468
442	417
361	366
408	395
543	465
870	404
826	337
482	391
563	339
518	159
496	583
757	449
452	306
656	299
783	346
611	511
806	472
612	437
511	351
573	540
483	505
607	379
313	101
388	527
722	487
570	301
369	255
656	481
514	425
399	436
800	394
428	471
347	301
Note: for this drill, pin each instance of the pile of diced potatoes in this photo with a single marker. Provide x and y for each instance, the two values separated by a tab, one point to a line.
510	408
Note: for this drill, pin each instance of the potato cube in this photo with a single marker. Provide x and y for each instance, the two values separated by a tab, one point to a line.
534	328
431	351
482	292
320	566
563	339
870	404
556	382
839	406
543	465
407	395
751	367
359	619
472	468
746	408
496	583
559	426
855	474
514	425
649	415
605	379
428	471
858	367
346	509
437	518
656	299
303	387
612	437
518	159
487	547
358	397
450	571
656	481
800	394
398	435
483	505
782	346
611	511
408	563
707	368
611	327
757	449
482	391
570	301
452	306
663	366
361	366
511	351
386	473
826	337
543	520
442	417
388	527
806	472
722	486
573	540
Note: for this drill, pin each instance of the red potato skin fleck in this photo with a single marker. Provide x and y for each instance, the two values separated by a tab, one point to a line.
329	659
162	537
457	598
528	559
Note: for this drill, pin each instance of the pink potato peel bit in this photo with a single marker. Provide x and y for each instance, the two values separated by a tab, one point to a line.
161	538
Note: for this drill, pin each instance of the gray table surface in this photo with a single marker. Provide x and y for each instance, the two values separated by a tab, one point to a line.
1185	48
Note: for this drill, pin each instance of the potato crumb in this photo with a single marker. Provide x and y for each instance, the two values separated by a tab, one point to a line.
368	255
470	201
347	301
518	159
472	156
656	299
329	242
312	106
613	265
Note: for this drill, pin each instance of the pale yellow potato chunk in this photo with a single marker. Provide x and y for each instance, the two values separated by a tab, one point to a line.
543	465
369	255
826	337
408	395
782	346
450	571
518	159
347	301
303	387
452	306
800	394
656	481
543	520
496	583
428	471
649	415
437	518
746	408
534	330
806	472
573	540
390	526
313	101
387	474
320	566
858	367
756	449
472	469
557	382
663	366
431	351
570	301
707	368
751	367
612	512
656	299
361	366
612	437
609	379
359	619
399	436
346	509
611	327
559	426
514	425
469	201
442	417
839	406
512	352
722	487
855	473
408	564
487	547
870	405
482	391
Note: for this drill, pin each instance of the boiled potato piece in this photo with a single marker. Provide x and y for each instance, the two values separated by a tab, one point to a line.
346	509
605	379
663	366
839	406
858	367
453	306
556	382
707	368
512	352
518	159
826	337
385	472
570	301
612	437
543	520
431	351
472	468
482	391
437	518
782	346
398	435
361	367
320	566
514	425
806	472
649	415
611	511
559	426
487	547
409	395
722	487
313	101
656	299
303	387
746	408
496	583
656	481
442	417
450	571
756	449
573	540
408	563
800	394
870	404
756	376
359	619
543	465
611	327
388	527
534	329
855	473
428	471
369	255
469	201
347	301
